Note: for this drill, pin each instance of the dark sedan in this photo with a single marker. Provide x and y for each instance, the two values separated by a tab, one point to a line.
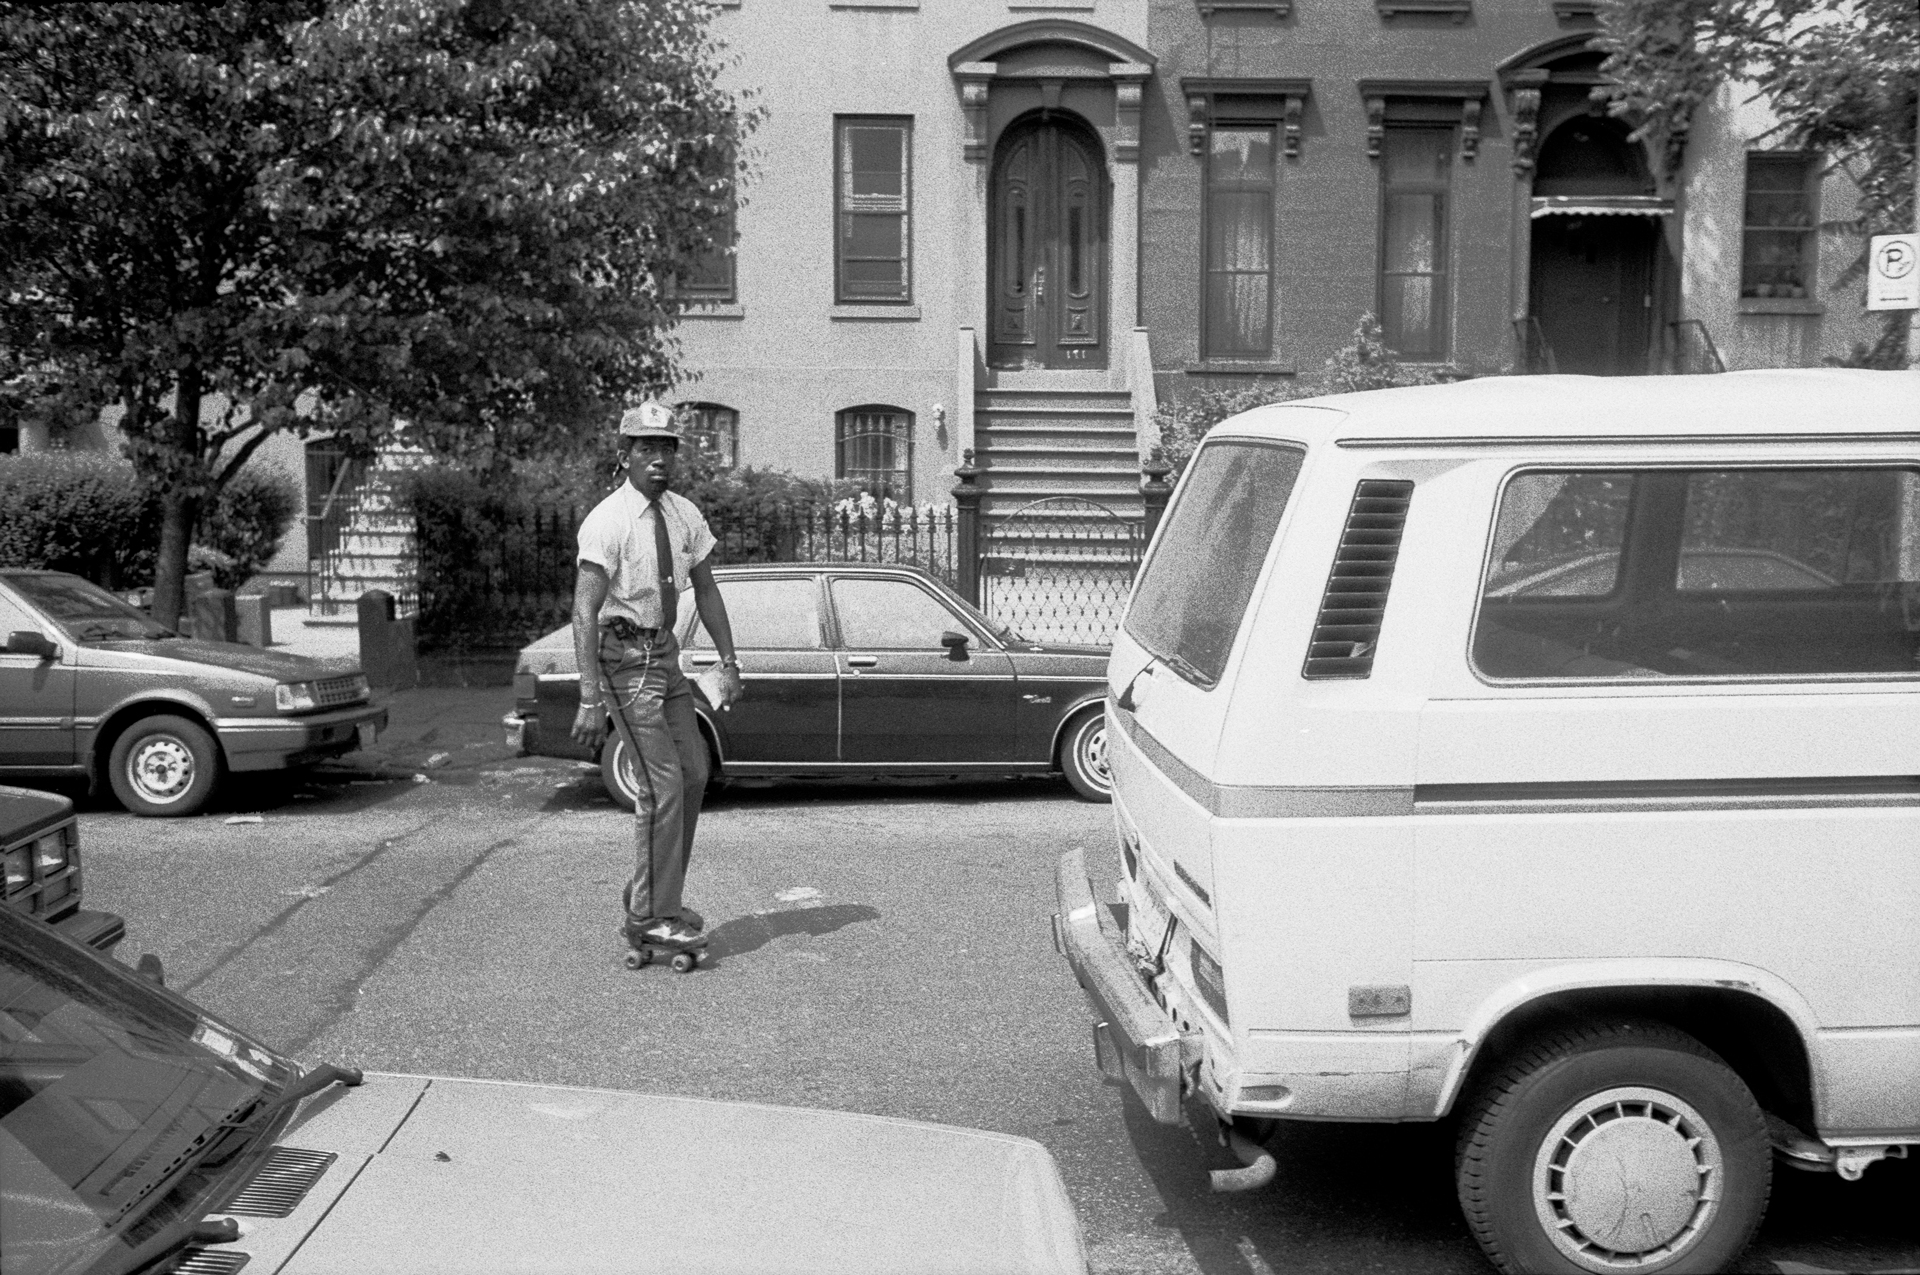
855	669
91	687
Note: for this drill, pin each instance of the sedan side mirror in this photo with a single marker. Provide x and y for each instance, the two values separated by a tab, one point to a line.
27	642
956	644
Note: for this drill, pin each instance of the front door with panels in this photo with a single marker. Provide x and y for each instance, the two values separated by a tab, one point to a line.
1047	250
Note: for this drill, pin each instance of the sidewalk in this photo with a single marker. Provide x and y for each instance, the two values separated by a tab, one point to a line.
442	732
334	643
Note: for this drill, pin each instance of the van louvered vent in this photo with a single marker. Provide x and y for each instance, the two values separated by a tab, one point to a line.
1348	627
207	1261
282	1182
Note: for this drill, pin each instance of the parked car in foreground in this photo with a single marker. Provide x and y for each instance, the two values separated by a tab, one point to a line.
1537	752
855	669
40	867
141	1133
91	687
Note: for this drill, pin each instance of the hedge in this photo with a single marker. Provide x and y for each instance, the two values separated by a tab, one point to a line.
87	513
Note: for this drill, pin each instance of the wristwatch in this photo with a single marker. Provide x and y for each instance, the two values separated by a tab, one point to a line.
732	662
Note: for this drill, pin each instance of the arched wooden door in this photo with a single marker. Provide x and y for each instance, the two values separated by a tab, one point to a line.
1047	249
1591	273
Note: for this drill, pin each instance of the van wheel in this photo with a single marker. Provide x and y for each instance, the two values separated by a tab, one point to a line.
163	765
1083	757
617	772
1615	1147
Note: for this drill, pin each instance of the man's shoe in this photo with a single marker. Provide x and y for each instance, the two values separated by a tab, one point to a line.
693	920
671	933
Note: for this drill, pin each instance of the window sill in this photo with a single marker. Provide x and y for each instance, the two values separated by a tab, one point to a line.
874	313
1781	305
1228	367
714	310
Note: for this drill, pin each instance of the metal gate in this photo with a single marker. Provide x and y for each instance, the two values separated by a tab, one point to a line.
1058	570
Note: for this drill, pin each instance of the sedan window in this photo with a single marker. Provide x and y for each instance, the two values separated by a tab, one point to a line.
890	615
769	615
86	610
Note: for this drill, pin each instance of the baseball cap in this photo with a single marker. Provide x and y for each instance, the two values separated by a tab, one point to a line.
651	419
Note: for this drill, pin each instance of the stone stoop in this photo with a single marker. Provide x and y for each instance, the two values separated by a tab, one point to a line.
1030	444
376	549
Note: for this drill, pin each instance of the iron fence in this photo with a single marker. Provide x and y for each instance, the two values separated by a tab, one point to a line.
1060	569
493	576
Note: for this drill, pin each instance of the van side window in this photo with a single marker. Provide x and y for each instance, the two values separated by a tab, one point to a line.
1193	590
1703	573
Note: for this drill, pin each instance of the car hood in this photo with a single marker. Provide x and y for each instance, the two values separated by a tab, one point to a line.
24	812
282	666
440	1175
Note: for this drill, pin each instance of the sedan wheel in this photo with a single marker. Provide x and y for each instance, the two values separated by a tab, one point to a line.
1083	758
164	766
616	771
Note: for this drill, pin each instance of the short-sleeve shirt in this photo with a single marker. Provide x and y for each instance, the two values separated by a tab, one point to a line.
618	536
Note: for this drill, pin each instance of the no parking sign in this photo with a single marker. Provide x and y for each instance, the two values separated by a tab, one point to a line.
1893	272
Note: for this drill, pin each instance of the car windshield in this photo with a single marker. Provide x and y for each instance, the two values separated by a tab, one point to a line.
119	1106
86	610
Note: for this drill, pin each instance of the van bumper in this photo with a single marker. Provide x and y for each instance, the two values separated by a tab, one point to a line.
1134	1038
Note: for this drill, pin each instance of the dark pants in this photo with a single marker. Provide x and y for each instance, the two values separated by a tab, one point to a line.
656	701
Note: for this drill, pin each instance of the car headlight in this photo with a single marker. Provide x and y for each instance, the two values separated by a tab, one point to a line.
359	687
294	697
50	854
18	864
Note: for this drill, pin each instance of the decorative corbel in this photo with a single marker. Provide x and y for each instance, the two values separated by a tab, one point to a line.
1198	116
1290	127
1470	128
976	78
1525	87
1129	97
1376	125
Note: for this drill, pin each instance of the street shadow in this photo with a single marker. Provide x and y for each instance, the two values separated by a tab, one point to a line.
1346	1189
753	932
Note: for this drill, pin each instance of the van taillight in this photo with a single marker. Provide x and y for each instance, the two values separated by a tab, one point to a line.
1208	980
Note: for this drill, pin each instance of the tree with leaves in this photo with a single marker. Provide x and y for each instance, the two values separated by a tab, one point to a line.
1841	76
231	219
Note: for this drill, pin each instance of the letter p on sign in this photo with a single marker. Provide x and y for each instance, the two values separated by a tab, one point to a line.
1893	273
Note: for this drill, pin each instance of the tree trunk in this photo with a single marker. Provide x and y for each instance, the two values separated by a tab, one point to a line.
179	501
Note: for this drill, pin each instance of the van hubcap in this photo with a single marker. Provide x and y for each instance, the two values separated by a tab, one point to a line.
1627	1177
161	768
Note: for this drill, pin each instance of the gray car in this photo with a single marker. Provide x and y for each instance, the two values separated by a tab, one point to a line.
91	687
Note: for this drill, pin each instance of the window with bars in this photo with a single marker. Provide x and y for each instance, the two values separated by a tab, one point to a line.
1776	241
1238	322
1415	173
873	197
712	277
873	446
714	431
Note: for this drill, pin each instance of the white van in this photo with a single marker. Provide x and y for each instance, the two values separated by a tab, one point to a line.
1544	753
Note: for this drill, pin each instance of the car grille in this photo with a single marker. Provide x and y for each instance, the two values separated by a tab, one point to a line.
282	1182
332	692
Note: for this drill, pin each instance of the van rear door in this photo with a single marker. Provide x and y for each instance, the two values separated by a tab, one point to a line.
1173	648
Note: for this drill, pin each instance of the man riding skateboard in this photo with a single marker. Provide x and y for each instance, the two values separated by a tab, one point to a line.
640	549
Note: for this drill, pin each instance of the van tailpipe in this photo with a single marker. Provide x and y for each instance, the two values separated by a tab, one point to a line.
1259	1161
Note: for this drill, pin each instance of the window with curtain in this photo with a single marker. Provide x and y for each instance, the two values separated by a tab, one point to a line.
712	277
873	195
1776	239
713	430
873	446
1415	169
1237	320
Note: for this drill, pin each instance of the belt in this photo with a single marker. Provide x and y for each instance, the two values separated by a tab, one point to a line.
627	631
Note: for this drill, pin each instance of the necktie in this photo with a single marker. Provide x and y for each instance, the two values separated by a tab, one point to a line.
663	556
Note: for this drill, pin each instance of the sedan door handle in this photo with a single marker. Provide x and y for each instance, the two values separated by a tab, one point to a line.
862	661
702	659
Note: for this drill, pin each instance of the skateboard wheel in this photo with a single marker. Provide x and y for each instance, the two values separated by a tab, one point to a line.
683	962
636	959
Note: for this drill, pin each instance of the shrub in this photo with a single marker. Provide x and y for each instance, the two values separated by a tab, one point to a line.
1365	364
87	513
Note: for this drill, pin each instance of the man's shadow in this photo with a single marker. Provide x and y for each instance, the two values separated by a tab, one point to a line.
749	933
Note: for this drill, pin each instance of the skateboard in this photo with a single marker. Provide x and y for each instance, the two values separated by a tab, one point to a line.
684	960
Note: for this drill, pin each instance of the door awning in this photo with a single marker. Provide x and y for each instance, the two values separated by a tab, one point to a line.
1601	206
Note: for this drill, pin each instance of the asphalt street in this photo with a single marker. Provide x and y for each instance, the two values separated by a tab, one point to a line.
877	947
